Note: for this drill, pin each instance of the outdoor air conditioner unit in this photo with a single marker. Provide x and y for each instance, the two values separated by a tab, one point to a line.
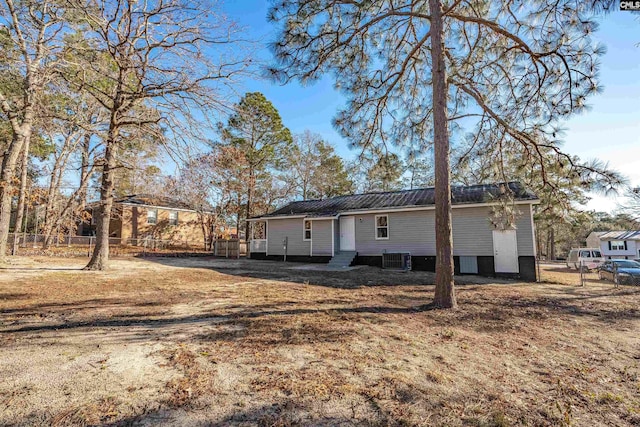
397	261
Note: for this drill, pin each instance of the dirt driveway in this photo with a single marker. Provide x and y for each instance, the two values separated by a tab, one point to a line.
200	341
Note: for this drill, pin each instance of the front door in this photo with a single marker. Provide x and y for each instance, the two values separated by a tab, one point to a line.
347	233
505	251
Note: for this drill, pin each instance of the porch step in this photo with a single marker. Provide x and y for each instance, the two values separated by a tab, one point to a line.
342	259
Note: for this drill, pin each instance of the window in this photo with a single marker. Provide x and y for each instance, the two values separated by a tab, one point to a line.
617	245
382	227
585	254
173	218
307	230
152	216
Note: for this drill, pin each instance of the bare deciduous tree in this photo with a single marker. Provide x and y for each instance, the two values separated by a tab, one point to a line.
31	37
69	132
146	63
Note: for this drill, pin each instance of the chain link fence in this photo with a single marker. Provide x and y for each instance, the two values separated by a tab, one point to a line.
617	272
68	246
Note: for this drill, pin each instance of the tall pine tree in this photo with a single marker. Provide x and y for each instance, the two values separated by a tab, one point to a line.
418	71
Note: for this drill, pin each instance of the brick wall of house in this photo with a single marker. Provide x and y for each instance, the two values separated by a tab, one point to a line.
135	226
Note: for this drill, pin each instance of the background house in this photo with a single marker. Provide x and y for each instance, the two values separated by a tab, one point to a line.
142	216
616	244
363	228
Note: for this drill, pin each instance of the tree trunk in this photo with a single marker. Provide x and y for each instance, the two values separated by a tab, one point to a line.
84	170
553	244
538	242
9	163
22	195
100	256
49	214
250	192
445	296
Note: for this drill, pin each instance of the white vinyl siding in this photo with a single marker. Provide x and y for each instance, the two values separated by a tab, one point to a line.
632	251
414	232
278	229
524	231
321	243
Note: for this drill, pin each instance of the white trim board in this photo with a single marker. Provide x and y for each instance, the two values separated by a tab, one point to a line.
375	227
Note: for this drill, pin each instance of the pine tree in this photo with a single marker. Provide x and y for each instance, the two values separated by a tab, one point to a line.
417	71
255	128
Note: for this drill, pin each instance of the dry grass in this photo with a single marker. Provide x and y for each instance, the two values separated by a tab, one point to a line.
216	342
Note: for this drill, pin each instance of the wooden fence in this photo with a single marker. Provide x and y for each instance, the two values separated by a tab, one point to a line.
232	248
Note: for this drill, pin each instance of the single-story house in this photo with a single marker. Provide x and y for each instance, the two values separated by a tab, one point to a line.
138	217
368	227
616	244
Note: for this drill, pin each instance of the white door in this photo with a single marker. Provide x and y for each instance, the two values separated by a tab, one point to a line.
505	251
347	233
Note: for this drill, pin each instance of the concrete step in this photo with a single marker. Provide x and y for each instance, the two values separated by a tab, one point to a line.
342	259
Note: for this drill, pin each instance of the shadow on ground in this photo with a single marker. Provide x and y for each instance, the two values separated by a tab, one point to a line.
290	272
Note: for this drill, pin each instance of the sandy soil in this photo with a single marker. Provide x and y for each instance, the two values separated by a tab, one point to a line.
200	341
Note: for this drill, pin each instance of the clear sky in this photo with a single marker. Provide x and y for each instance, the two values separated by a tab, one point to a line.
610	131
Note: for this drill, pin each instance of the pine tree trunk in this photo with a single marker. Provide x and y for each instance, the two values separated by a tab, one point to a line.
238	215
552	239
445	296
22	195
9	163
100	257
250	192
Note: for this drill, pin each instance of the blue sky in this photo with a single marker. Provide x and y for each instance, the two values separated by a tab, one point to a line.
610	130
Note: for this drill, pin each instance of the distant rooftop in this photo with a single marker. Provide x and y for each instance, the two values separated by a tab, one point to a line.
460	195
620	235
153	200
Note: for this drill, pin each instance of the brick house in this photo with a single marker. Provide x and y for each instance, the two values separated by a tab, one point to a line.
142	216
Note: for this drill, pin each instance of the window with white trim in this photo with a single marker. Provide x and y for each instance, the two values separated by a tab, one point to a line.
307	229
382	227
173	217
152	216
617	245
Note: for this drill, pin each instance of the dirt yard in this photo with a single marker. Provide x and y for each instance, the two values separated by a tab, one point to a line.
198	341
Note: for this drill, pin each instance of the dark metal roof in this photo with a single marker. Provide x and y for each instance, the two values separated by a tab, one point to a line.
398	199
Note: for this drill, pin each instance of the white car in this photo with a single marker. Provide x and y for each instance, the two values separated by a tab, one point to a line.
589	258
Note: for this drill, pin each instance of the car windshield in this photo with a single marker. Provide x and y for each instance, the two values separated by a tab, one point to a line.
597	254
627	264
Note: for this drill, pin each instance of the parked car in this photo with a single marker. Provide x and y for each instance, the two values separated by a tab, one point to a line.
590	258
628	271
